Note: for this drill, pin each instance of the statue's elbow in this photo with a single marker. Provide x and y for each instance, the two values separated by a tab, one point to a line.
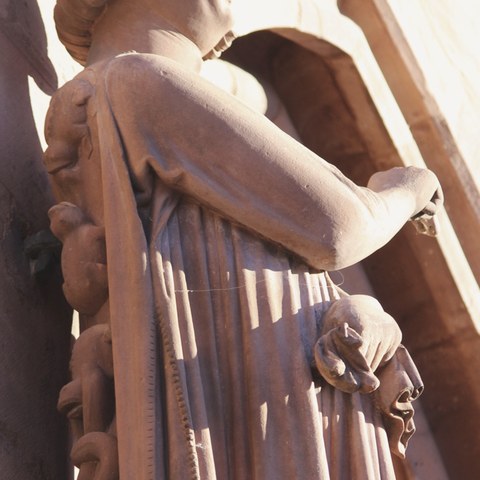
341	258
340	252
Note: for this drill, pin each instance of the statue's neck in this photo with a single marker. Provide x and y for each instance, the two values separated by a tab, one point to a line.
135	30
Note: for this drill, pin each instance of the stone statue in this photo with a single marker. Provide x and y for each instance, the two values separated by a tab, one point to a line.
234	355
88	401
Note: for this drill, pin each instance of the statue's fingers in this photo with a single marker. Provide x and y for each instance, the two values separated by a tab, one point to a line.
348	344
438	197
430	209
341	363
368	382
327	361
356	380
331	366
347	336
382	342
359	375
347	383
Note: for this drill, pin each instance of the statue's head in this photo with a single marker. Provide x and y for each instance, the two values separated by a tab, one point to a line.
205	22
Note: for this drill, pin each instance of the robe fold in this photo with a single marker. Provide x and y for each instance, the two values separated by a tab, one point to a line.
216	287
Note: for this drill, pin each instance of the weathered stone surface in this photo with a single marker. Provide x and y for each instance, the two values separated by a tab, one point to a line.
161	195
34	318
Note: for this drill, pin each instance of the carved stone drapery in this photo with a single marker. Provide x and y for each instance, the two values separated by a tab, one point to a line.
217	293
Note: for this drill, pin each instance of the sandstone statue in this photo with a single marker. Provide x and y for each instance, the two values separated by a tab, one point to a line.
234	354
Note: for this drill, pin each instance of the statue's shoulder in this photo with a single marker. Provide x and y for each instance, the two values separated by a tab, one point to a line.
143	61
126	72
139	67
139	74
73	91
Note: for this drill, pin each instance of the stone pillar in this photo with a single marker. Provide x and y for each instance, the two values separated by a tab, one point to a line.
34	319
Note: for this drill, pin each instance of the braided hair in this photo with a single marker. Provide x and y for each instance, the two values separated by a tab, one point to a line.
74	20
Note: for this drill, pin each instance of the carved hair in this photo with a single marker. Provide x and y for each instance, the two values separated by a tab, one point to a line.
74	20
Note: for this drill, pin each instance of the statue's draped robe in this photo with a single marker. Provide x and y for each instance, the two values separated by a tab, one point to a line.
213	319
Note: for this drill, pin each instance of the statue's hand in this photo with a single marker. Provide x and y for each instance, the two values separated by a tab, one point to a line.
358	337
420	184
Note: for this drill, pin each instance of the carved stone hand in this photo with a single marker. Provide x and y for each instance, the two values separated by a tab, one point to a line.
421	184
358	336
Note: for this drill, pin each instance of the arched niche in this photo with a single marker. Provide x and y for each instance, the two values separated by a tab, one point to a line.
325	74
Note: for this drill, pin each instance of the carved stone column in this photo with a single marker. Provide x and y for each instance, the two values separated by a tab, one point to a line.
34	318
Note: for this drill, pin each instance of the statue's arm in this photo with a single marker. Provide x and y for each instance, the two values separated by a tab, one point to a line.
203	142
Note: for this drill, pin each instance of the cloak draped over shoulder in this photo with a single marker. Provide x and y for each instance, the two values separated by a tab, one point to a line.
217	287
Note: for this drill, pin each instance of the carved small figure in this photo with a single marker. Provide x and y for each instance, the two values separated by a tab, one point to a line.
89	403
66	124
83	257
96	454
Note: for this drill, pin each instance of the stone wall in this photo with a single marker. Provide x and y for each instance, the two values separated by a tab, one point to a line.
443	35
34	318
